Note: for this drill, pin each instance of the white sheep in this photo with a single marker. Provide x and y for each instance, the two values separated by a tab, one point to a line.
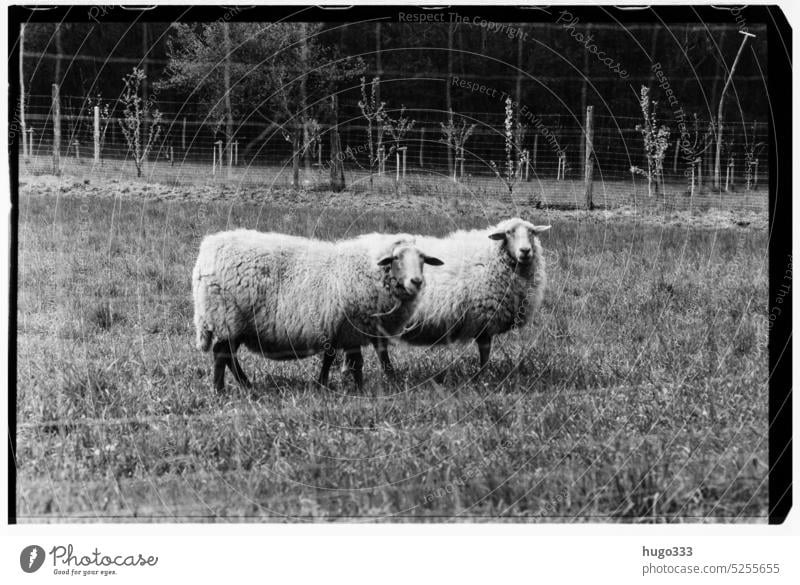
288	297
493	280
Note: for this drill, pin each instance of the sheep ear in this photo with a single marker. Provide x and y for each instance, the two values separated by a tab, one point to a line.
540	229
385	261
432	261
497	236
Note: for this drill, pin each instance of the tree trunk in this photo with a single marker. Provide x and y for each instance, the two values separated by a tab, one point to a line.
653	47
227	88
59	55
145	52
448	97
379	73
337	160
518	96
585	91
296	137
304	96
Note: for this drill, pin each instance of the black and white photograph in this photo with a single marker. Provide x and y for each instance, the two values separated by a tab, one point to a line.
399	264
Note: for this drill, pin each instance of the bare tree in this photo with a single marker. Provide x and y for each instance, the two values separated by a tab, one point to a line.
135	112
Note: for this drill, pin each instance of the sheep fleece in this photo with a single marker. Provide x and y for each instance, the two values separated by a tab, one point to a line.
288	297
480	289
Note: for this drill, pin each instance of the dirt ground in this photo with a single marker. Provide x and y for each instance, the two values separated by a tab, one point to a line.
651	214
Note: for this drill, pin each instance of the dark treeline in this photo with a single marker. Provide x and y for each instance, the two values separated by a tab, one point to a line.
553	68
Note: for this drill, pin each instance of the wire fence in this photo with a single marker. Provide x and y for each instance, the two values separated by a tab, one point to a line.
548	152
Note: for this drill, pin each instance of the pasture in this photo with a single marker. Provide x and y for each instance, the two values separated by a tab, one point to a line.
638	394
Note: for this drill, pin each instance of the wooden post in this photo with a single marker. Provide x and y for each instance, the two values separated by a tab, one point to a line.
171	156
96	134
421	145
77	150
22	128
183	137
230	155
56	108
588	163
236	153
527	163
30	143
675	158
397	165
404	149
535	150
217	149
699	172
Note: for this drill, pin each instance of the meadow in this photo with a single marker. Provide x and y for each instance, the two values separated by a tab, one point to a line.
639	393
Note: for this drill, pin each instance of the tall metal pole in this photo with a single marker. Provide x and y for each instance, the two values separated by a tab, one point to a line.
718	154
22	92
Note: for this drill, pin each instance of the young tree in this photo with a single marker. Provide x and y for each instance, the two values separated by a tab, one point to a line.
514	155
374	112
455	137
136	112
397	129
656	141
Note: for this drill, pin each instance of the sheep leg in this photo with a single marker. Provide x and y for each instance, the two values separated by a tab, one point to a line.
238	372
222	357
354	362
382	349
327	362
484	349
225	355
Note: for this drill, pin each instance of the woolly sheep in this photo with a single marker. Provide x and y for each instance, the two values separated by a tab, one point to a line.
288	297
492	281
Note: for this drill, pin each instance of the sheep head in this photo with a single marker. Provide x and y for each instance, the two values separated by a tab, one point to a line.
518	237
404	264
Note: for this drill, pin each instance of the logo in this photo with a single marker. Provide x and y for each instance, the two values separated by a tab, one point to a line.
31	558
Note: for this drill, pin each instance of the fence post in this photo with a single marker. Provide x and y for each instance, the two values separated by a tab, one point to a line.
535	150
56	107
77	146
421	145
30	142
229	147
96	134
183	137
588	163
675	158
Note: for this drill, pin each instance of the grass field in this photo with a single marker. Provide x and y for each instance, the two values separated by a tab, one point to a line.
639	393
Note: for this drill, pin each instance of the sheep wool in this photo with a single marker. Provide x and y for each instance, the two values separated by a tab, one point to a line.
481	290
288	297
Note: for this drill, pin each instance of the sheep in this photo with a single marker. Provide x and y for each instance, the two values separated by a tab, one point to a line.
492	281
288	297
